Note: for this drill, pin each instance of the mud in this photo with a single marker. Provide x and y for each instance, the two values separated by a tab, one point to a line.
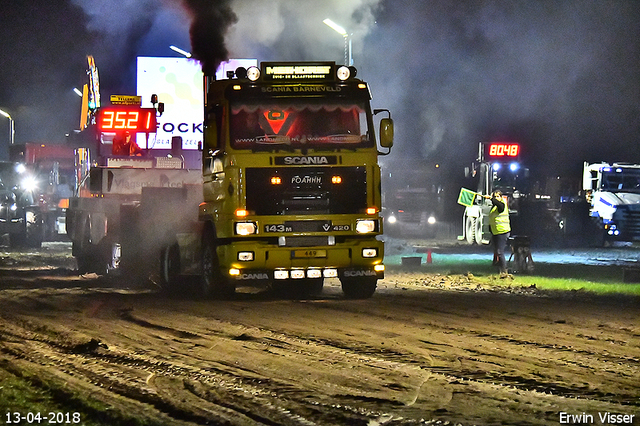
426	349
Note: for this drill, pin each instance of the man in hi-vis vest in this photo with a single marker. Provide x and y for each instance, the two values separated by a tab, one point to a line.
500	228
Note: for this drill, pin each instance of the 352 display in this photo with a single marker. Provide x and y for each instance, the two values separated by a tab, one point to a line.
133	119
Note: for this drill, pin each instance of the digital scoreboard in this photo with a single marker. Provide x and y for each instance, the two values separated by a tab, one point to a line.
501	150
120	118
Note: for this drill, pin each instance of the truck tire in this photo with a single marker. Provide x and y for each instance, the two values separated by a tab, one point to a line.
470	229
170	267
358	288
477	233
91	258
214	284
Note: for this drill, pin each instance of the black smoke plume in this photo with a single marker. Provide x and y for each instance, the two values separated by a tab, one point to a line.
210	21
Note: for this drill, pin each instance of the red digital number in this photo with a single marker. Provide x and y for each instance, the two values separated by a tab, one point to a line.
504	150
120	121
148	121
132	119
107	120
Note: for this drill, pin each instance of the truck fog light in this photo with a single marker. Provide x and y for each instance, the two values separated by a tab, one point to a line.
314	273
280	274
245	256
234	272
369	252
379	268
330	273
246	228
365	226
297	273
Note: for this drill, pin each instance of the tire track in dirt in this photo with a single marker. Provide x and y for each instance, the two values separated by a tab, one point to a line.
556	353
237	392
162	364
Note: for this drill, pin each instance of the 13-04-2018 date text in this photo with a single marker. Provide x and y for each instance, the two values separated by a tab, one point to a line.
38	418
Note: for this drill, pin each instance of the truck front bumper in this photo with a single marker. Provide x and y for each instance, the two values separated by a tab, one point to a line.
261	261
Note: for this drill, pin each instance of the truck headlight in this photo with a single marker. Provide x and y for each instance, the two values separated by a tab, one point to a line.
365	226
29	183
392	219
246	228
431	220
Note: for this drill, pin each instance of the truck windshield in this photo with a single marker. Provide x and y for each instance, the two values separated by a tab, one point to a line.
505	180
618	179
306	123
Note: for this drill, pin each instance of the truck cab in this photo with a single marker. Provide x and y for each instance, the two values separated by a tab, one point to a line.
291	182
613	194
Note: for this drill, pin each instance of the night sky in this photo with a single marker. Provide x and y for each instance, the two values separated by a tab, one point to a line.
560	77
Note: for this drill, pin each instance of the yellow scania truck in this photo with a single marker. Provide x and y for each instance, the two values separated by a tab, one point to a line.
291	183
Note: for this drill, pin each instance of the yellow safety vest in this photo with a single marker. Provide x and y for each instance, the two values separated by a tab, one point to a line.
500	221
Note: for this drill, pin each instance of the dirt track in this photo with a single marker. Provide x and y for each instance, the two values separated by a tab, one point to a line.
426	349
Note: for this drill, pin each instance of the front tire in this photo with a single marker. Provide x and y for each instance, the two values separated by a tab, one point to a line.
359	288
170	267
477	233
470	229
214	284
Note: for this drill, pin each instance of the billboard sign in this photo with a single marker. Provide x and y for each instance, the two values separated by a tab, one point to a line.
178	82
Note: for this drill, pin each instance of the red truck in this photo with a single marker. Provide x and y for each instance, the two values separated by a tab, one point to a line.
46	181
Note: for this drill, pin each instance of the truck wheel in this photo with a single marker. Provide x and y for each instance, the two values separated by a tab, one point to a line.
470	229
91	258
170	267
477	233
358	288
214	284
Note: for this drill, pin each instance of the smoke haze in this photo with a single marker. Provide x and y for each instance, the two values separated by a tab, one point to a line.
561	77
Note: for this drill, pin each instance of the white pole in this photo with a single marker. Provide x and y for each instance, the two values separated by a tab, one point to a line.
12	129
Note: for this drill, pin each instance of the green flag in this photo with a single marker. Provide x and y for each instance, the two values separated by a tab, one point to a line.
466	197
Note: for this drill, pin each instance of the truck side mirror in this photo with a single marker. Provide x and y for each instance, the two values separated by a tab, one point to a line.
386	133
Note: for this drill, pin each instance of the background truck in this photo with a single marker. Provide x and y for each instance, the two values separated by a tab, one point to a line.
291	183
414	197
612	193
20	209
533	213
496	167
48	170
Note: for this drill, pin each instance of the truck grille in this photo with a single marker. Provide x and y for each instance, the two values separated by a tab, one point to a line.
306	190
628	220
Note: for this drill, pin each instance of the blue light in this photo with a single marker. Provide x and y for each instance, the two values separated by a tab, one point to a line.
496	166
514	167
